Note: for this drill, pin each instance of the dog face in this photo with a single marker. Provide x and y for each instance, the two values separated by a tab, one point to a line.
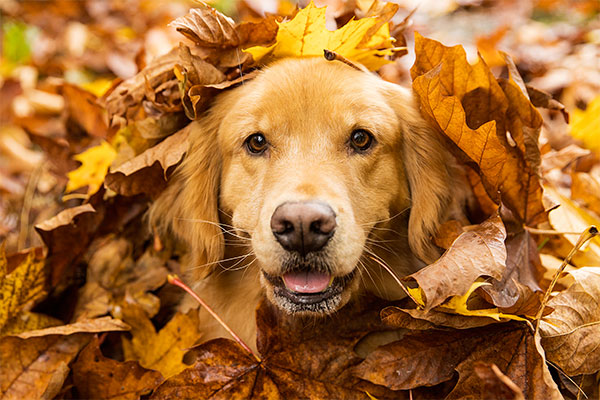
304	162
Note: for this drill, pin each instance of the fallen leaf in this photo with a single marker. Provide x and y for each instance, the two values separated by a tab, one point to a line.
132	177
28	321
162	351
585	125
560	159
586	189
570	332
99	377
476	112
306	35
95	162
104	324
299	360
496	384
22	287
83	108
67	235
479	252
36	367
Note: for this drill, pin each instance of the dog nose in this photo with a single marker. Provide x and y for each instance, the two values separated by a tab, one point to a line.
303	226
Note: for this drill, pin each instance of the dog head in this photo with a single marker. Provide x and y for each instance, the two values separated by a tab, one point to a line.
303	163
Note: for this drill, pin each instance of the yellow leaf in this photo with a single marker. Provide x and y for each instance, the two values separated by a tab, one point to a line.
458	305
586	125
98	87
366	40
417	295
162	351
20	288
28	321
94	166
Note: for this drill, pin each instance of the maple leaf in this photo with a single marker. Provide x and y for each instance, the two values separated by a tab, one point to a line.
22	287
99	377
366	40
298	360
162	351
570	332
94	166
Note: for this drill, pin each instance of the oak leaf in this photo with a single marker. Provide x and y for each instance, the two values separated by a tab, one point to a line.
99	377
366	41
570	333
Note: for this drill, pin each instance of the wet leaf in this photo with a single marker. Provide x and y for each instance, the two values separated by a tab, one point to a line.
96	376
366	40
569	333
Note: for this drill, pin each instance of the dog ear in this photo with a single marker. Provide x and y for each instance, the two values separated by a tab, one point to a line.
188	207
430	171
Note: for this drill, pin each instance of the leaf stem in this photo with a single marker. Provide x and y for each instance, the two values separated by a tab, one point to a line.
174	280
586	235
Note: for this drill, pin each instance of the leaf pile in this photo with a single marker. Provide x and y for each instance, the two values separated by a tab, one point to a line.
91	135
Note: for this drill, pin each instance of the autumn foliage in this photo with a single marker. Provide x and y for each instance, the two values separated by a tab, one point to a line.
510	310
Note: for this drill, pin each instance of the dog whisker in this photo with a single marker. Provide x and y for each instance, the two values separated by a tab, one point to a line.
220	261
386	219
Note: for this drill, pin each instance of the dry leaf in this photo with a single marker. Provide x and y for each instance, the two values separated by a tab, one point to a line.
28	321
479	252
20	288
134	176
570	332
162	351
586	189
366	41
476	112
207	27
104	324
98	377
586	125
496	384
36	367
94	166
83	108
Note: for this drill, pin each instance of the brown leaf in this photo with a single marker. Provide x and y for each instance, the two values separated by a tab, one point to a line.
543	99
96	376
67	235
586	189
416	319
518	355
479	252
36	367
447	233
570	333
257	33
479	116
28	321
207	27
147	173
104	324
83	108
565	156
496	384
299	360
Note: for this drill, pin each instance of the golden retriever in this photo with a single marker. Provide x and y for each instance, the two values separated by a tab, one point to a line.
298	185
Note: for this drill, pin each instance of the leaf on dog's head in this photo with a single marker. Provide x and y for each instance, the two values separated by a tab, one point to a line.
493	123
366	41
479	252
570	332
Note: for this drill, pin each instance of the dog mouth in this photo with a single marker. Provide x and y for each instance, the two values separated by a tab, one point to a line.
308	291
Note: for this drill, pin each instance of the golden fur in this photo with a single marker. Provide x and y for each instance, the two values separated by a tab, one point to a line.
388	201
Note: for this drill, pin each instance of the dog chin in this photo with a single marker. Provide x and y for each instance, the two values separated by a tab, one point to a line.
307	288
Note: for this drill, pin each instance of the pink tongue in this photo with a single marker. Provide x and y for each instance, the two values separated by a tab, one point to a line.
306	282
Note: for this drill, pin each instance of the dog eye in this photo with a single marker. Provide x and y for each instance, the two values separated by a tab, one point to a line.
256	143
361	140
